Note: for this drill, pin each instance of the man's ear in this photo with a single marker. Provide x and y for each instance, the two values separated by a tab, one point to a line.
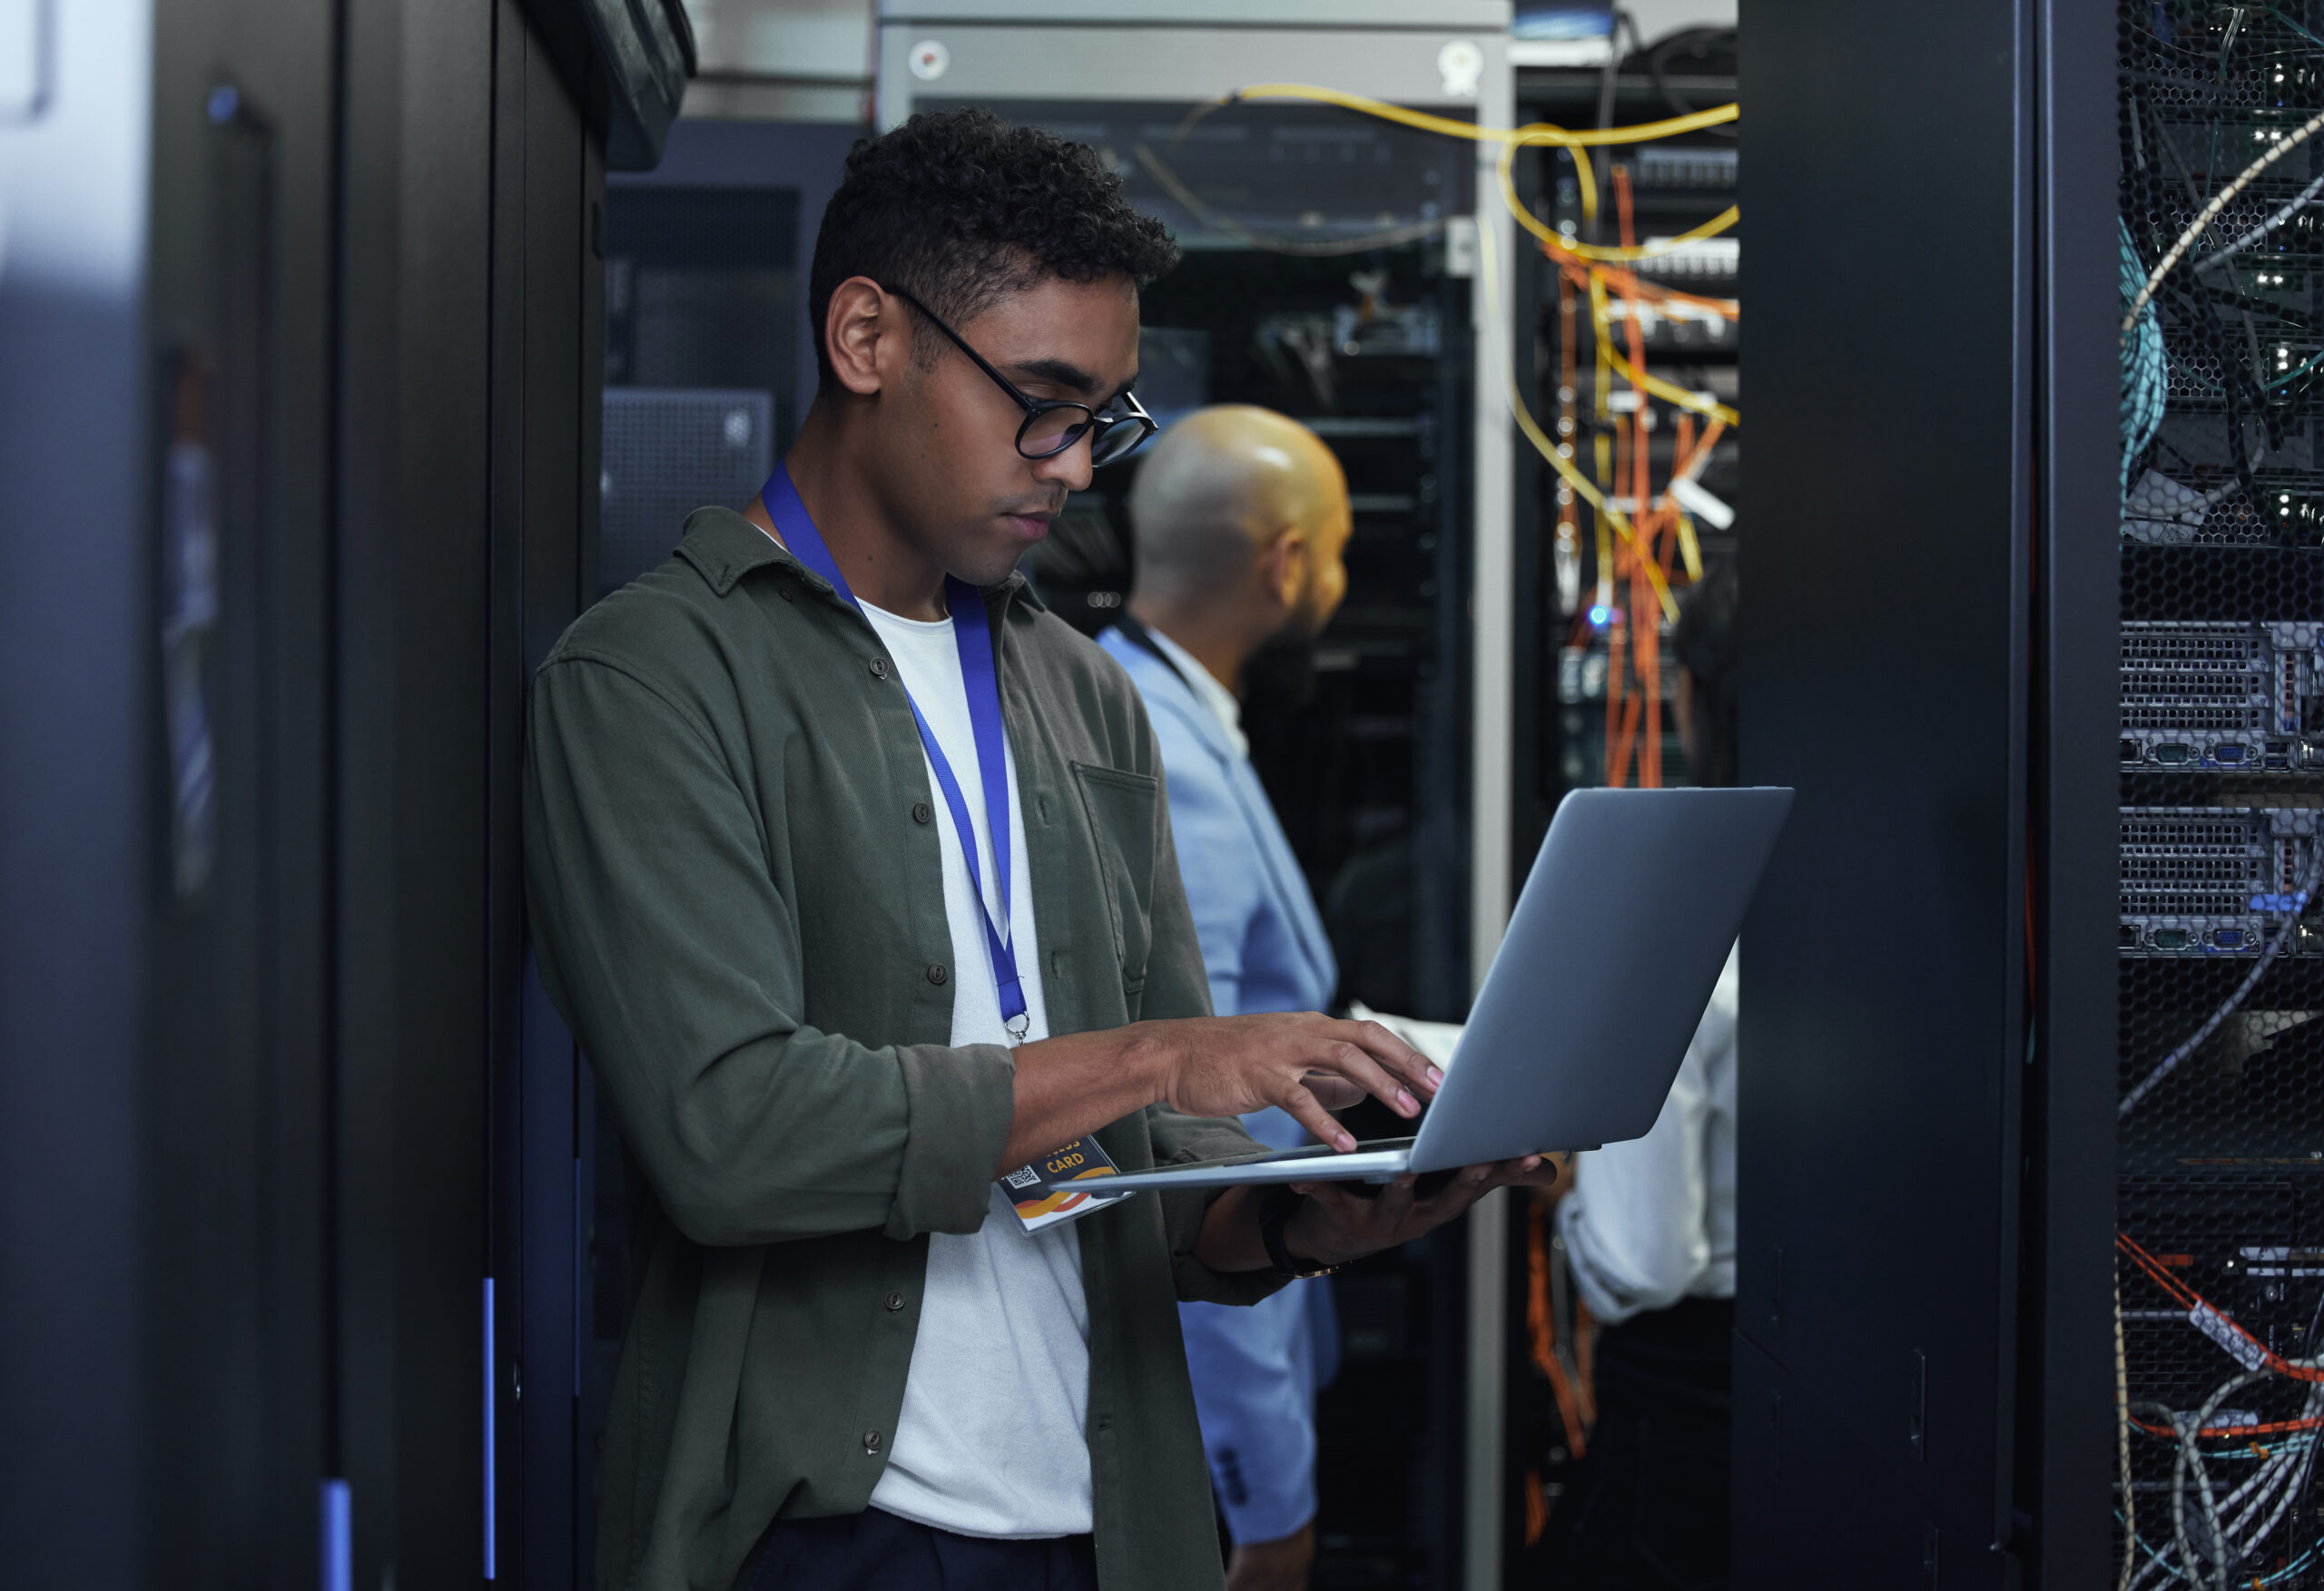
1284	566
864	330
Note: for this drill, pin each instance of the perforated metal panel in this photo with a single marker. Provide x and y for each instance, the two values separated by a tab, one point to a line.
667	452
2220	1209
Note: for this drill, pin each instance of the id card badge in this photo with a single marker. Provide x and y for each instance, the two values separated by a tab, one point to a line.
1050	1192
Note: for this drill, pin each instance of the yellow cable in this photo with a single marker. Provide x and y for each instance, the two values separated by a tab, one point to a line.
1585	177
1582	174
1602	449
1581	483
1602	319
1605	254
1512	139
1540	133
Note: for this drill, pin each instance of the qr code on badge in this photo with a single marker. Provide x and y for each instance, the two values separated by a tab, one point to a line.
1024	1176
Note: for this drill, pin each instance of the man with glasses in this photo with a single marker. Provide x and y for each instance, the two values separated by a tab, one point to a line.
850	868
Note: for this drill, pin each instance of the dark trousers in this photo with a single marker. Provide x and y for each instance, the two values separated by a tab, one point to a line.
1648	1510
872	1551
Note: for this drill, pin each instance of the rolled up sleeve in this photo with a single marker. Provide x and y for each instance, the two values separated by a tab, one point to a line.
666	941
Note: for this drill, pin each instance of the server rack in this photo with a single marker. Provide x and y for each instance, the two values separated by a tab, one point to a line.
1932	655
2221	969
1572	607
1414	793
1574	631
297	323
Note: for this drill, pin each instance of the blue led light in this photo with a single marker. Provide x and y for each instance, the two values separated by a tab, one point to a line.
491	1443
224	103
1601	616
338	1536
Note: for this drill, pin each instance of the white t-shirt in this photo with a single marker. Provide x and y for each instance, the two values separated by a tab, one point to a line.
990	1441
1652	1221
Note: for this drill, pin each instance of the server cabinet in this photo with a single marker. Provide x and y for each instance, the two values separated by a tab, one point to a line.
164	395
2221	753
297	321
1924	1133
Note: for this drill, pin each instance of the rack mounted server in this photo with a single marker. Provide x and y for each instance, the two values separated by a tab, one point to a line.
2222	696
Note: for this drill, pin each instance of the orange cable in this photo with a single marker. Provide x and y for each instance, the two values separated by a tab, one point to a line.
1541	1323
1585	1354
1646	650
1629	284
2180	1293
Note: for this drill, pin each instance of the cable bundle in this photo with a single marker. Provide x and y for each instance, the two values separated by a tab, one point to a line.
2226	1531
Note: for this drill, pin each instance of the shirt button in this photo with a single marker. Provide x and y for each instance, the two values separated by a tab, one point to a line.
920	812
895	1300
879	668
936	973
871	1440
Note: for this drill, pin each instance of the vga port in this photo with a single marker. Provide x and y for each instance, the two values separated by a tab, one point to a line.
2229	939
2230	756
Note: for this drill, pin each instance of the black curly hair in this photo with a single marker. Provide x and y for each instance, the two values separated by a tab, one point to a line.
961	209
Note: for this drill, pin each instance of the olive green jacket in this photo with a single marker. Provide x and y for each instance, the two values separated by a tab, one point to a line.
737	902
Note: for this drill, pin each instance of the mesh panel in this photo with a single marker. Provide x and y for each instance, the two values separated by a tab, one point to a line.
2220	1263
667	452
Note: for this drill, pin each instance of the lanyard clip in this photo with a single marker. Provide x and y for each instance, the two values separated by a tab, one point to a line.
1019	1027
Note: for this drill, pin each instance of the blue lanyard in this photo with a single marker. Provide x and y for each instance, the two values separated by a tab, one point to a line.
972	635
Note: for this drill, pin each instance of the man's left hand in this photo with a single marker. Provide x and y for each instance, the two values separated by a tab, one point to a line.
1336	1225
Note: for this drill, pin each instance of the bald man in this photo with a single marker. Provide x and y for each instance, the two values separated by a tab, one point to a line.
1240	518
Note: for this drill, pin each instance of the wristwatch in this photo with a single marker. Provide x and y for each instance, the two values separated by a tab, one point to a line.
1278	1205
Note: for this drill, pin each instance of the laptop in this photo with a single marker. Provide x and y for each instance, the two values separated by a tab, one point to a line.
1577	1032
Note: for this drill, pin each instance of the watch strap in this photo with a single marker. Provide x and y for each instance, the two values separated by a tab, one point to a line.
1278	1205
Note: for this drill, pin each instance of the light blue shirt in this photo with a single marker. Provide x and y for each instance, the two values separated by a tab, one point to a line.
1254	1369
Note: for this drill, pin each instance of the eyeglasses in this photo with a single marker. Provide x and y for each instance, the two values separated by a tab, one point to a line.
1053	425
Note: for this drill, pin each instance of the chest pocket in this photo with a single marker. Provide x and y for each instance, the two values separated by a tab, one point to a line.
1121	811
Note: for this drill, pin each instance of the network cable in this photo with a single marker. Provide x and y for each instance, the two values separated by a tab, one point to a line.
2123	1444
1489	270
1511	138
2287	932
2201	223
2293	207
1176	187
1568	252
2284	1469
